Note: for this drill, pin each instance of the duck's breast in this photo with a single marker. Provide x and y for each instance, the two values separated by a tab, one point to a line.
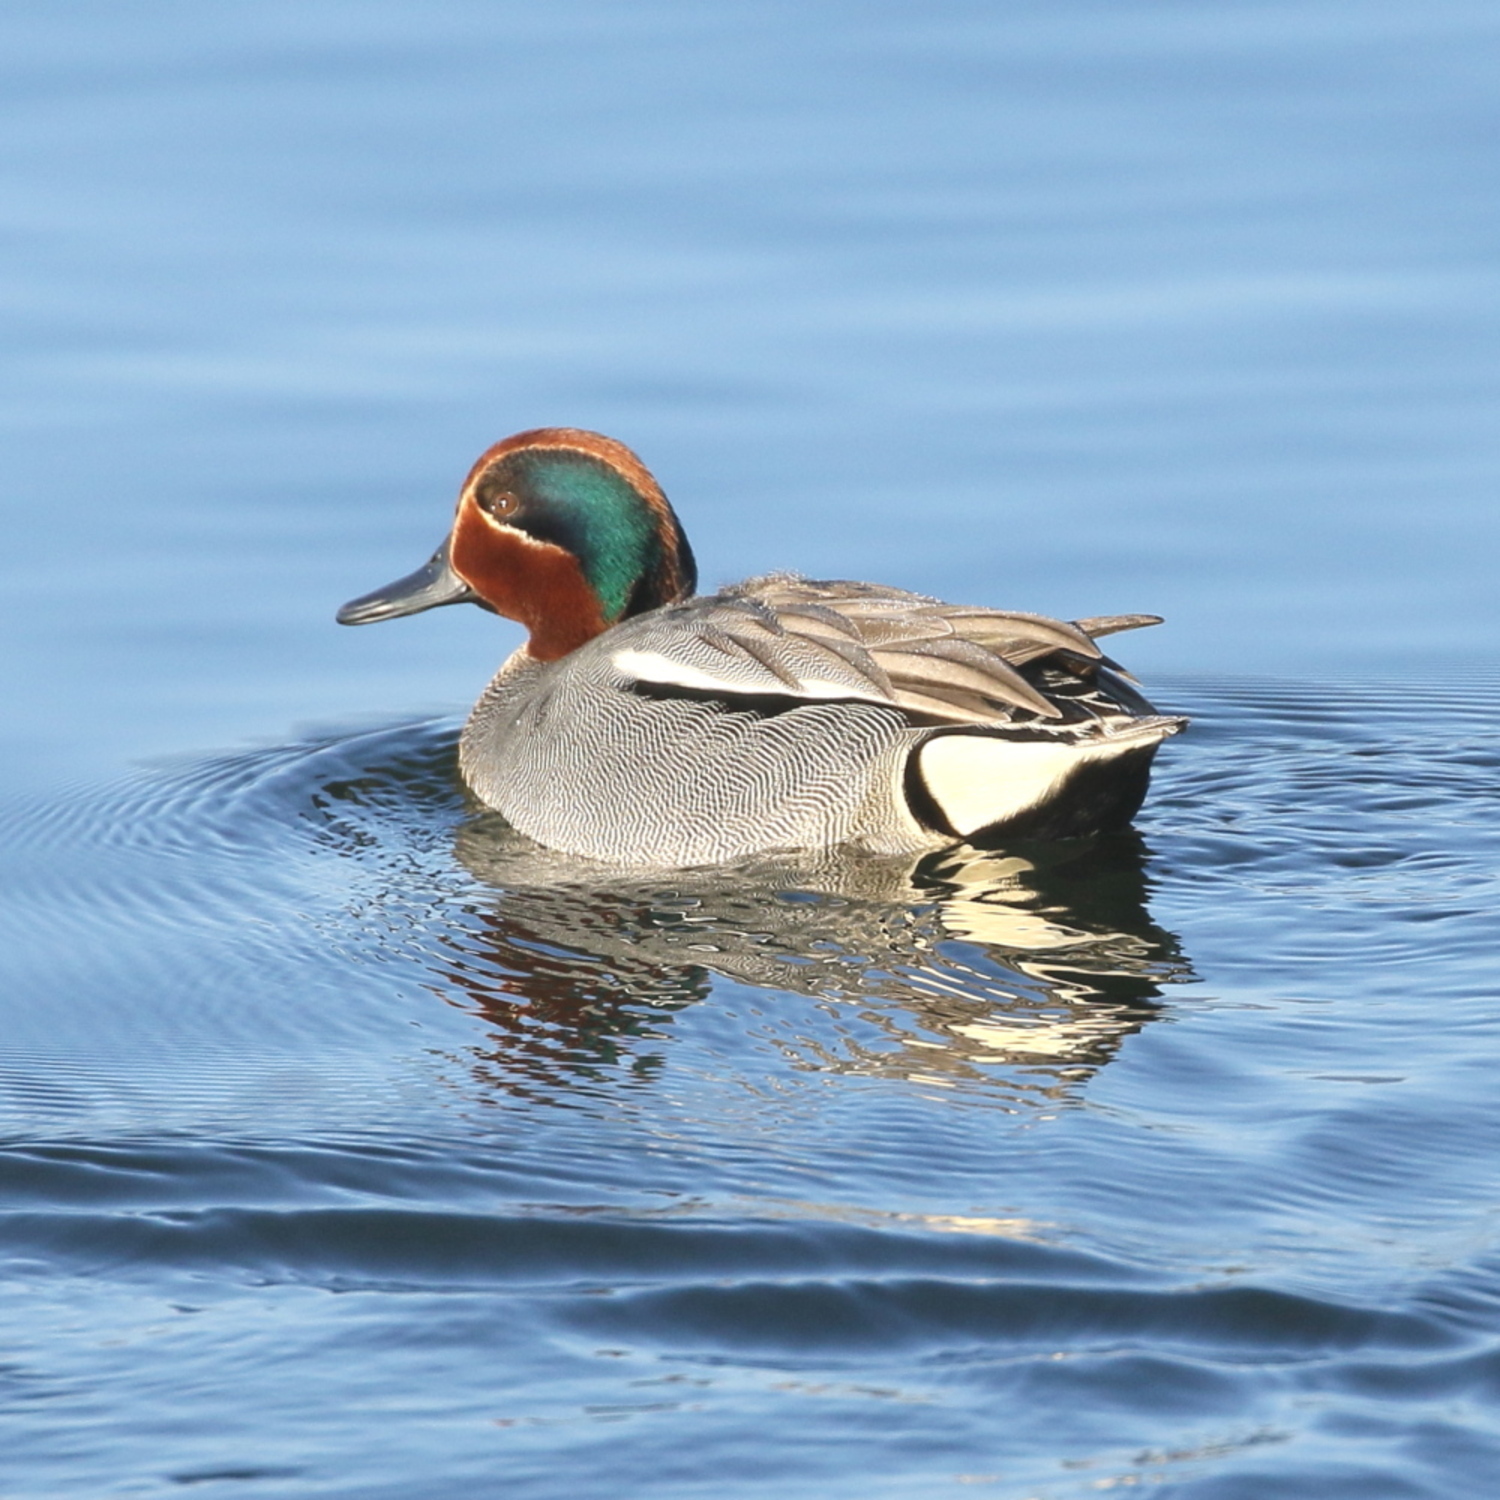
581	760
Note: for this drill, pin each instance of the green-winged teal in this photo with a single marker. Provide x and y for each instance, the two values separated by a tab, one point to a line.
642	725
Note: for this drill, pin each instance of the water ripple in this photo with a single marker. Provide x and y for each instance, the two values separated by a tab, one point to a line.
1181	1139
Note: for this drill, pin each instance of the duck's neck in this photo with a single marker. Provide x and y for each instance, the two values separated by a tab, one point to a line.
540	584
559	607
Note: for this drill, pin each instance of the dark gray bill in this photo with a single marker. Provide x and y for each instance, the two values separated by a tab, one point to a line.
432	584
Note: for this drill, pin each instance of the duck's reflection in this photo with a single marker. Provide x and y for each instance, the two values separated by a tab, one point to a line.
1027	966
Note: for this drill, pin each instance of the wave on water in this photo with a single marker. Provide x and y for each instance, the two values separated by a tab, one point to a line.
318	1078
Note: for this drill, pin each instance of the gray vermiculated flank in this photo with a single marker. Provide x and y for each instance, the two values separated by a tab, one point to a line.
682	781
779	714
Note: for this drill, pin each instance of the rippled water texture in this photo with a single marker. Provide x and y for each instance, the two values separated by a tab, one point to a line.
350	1147
356	1147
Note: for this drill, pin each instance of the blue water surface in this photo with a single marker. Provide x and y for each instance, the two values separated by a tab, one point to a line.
351	1146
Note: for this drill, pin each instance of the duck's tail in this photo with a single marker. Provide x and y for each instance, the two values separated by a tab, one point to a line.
1043	785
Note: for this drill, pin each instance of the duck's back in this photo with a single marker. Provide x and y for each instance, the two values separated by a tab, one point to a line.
790	714
575	758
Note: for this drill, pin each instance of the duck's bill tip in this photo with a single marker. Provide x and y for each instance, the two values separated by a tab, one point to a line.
432	584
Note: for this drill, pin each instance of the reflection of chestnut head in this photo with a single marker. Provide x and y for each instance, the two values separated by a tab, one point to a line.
1038	959
555	1004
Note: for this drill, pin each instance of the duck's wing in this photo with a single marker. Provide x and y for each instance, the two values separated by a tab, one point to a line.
1097	625
782	636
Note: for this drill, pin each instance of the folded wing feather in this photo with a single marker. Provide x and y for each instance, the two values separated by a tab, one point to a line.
786	636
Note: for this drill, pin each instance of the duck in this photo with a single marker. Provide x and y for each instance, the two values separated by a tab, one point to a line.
644	724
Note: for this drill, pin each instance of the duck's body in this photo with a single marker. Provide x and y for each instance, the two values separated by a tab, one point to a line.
642	725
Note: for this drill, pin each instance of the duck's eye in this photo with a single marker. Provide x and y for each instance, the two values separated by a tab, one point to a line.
499	502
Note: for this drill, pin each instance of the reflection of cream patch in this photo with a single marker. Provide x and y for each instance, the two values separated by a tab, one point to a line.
977	780
1007	926
1059	1040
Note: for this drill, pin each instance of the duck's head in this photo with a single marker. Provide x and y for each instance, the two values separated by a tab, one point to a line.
563	530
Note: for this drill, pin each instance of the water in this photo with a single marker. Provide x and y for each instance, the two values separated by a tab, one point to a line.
356	1147
350	1146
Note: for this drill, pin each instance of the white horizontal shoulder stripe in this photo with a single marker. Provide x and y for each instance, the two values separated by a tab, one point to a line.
653	666
656	666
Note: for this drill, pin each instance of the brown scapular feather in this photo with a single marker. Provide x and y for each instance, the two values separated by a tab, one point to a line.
1098	625
803	615
989	626
755	611
962	664
720	640
955	706
766	654
855	657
